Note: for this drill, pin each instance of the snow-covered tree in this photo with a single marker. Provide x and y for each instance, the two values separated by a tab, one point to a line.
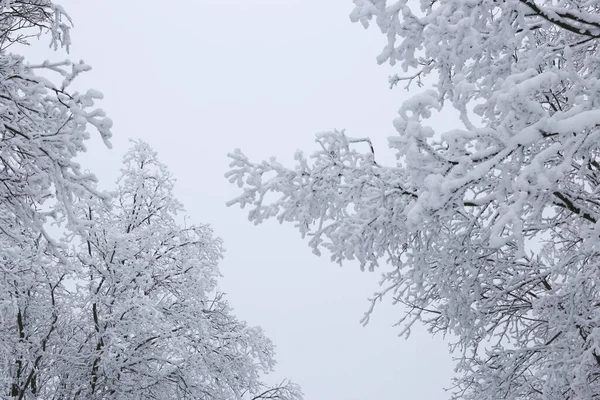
133	312
152	323
43	126
489	232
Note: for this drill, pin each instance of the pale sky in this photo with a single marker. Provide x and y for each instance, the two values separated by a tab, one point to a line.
197	79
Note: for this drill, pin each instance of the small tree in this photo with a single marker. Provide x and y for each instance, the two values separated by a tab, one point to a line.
489	232
153	324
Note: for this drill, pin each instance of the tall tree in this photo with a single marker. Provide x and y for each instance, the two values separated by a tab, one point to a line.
489	231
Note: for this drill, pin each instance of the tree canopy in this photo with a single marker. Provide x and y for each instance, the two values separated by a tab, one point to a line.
489	231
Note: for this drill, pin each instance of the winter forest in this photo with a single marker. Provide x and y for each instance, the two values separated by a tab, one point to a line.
442	165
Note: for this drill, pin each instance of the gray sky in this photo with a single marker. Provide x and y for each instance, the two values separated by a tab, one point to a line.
197	79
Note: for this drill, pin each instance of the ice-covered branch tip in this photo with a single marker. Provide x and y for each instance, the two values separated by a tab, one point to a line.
22	20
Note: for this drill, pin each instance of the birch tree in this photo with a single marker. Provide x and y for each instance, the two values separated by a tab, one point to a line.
489	231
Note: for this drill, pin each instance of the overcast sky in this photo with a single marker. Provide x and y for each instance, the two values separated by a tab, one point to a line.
197	79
